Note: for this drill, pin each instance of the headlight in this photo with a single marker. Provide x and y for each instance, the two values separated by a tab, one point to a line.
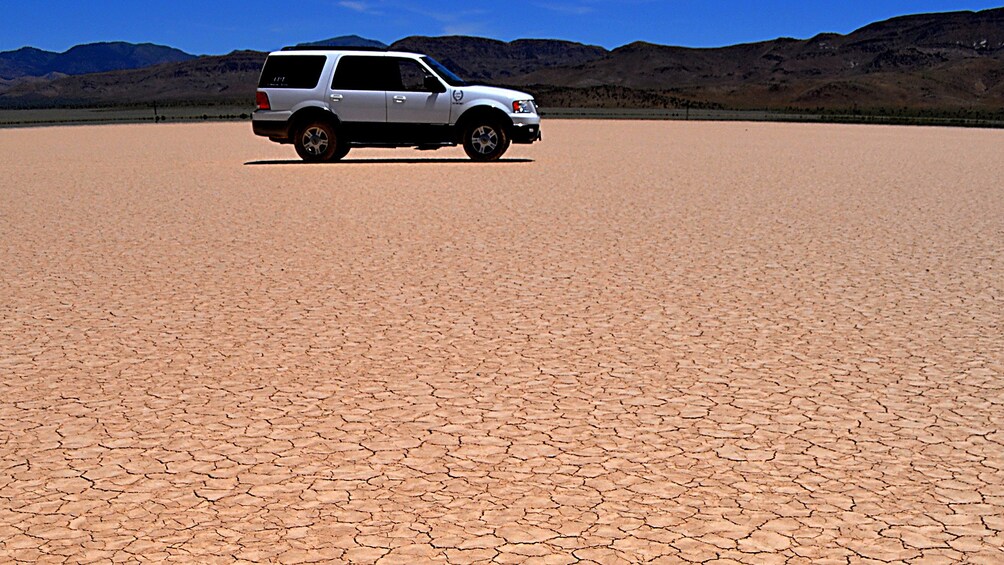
523	107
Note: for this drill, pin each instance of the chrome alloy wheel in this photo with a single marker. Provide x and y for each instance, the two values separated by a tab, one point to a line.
315	140
485	139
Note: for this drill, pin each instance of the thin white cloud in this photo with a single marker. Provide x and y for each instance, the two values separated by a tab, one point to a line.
463	21
447	16
466	21
356	6
574	9
464	28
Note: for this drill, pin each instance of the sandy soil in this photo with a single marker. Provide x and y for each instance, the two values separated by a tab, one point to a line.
643	341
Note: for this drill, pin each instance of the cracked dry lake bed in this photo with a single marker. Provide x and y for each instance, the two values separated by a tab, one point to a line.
633	342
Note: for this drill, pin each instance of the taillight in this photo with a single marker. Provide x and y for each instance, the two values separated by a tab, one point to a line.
261	99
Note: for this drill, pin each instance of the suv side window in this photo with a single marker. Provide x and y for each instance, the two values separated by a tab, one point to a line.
291	71
355	72
412	75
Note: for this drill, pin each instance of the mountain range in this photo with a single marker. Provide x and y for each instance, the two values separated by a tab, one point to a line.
83	59
946	62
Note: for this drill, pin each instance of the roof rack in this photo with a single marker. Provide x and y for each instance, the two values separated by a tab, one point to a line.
330	48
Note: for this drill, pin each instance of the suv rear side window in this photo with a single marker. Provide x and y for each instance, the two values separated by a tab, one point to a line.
292	71
356	72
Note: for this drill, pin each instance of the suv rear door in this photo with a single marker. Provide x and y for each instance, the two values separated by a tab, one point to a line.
358	88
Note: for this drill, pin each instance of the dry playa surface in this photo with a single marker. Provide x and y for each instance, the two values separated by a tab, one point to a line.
634	342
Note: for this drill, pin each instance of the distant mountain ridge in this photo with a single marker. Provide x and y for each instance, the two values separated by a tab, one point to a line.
233	77
944	60
207	79
950	61
89	58
479	58
908	44
346	41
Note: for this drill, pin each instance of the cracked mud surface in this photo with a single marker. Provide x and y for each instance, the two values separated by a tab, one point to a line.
660	341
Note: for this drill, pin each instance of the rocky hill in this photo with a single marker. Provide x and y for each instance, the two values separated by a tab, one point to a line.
211	79
481	59
83	59
948	62
346	41
931	60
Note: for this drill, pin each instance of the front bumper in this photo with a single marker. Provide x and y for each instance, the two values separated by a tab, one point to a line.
525	133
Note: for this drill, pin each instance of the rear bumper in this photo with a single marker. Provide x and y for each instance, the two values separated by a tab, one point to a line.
274	130
525	133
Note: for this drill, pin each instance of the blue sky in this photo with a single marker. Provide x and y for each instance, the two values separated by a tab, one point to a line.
208	27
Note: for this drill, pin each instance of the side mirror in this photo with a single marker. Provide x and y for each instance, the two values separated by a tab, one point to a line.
432	84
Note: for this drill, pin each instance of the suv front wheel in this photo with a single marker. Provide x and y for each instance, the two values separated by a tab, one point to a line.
316	142
485	141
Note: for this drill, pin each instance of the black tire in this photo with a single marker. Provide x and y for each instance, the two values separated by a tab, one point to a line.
316	142
485	140
342	151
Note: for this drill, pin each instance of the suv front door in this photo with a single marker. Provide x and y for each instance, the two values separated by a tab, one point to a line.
412	100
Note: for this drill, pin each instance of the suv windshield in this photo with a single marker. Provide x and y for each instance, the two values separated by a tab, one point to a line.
444	73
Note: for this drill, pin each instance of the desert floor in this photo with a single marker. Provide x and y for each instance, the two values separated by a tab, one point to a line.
634	341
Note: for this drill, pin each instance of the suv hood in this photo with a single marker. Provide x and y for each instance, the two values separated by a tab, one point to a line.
501	94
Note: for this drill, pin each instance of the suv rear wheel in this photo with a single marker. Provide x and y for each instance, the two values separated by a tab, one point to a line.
485	141
316	142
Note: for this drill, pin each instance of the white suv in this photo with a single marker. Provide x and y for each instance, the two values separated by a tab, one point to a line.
325	102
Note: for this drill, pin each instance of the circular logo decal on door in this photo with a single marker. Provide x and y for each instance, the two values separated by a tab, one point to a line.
458	95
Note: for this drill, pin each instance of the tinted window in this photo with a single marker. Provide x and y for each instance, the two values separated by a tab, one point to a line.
444	73
366	73
412	76
291	71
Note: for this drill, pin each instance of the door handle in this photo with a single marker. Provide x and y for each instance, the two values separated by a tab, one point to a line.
400	99
336	97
